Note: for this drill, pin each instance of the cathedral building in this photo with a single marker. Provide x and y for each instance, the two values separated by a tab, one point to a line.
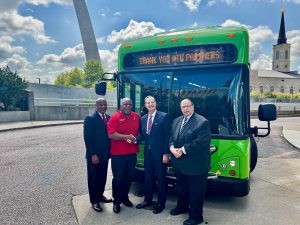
280	78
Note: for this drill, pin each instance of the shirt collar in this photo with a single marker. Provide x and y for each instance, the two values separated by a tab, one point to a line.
153	114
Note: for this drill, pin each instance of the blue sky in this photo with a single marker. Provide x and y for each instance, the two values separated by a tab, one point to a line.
41	38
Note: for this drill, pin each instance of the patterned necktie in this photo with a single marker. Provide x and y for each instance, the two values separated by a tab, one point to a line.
149	124
183	124
104	119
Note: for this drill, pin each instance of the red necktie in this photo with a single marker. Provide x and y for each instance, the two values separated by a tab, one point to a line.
149	124
104	119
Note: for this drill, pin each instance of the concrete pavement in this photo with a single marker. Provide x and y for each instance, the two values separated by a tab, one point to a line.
291	132
274	196
34	124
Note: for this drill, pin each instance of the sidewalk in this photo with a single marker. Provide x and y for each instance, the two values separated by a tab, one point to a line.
34	124
290	132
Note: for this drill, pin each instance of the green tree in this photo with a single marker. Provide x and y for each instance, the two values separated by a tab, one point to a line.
12	88
93	70
72	78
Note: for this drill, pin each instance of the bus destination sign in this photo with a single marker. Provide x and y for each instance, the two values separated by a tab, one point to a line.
186	55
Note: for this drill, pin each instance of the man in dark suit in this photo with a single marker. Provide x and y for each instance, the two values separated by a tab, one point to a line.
190	148
97	153
155	130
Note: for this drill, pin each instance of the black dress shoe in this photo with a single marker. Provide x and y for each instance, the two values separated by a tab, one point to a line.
116	208
192	222
176	211
105	200
127	203
97	207
158	209
143	205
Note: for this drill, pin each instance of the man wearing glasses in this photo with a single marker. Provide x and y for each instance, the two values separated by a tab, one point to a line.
190	155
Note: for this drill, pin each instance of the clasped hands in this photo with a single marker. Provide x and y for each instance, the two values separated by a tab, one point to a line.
131	139
177	152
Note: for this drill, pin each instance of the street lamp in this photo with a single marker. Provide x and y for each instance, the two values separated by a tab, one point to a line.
39	79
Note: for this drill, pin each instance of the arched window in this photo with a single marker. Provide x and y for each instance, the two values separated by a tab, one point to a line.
261	89
291	90
277	55
286	54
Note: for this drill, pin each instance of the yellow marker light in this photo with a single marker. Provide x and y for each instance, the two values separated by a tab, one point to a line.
218	172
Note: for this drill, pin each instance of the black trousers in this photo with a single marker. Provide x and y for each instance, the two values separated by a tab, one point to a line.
191	193
96	174
155	168
123	169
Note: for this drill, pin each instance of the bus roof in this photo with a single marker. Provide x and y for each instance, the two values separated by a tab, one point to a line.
237	36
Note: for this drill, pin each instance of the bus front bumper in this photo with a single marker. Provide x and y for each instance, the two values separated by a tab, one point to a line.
219	186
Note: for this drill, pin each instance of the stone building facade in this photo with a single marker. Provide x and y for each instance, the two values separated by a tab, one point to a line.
264	81
280	78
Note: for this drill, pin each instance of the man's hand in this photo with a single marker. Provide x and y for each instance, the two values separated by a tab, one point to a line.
95	159
131	139
165	158
177	152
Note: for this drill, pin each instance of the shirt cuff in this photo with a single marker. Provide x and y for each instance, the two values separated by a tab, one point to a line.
183	150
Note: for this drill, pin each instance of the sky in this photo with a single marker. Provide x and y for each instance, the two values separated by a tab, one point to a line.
41	38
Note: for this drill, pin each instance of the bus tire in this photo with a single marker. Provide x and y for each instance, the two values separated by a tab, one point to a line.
253	154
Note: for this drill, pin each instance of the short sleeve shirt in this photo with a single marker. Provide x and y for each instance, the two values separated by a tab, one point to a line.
122	124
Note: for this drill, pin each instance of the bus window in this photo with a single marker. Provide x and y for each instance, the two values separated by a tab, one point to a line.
138	102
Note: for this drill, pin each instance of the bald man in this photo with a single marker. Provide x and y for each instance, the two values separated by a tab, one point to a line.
97	153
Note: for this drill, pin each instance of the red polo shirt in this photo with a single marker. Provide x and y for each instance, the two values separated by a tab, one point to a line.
120	123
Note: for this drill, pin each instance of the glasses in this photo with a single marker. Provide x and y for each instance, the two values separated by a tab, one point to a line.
186	106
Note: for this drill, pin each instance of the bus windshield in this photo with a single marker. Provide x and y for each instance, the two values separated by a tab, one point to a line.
217	93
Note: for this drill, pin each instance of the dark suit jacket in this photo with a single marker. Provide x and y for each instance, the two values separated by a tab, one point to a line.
158	140
195	138
95	137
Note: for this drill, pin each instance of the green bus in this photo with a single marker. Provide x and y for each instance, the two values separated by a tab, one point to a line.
210	66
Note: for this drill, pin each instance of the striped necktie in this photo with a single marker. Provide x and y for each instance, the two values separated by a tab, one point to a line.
104	119
183	124
149	124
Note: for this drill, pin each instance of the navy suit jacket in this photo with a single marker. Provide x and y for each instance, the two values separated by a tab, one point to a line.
95	137
158	140
195	137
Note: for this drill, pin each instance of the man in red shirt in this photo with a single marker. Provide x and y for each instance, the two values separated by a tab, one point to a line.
123	127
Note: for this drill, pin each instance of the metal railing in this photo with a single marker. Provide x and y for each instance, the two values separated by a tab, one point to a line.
69	102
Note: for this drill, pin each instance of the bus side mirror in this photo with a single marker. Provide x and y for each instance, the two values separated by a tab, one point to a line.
267	112
100	88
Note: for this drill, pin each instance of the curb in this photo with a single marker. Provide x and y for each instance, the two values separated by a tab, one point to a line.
287	140
38	126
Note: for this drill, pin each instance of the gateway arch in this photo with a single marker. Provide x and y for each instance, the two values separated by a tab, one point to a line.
86	30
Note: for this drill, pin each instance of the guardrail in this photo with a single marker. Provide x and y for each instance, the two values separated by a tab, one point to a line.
69	102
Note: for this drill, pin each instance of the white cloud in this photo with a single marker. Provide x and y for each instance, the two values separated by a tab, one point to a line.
69	57
109	59
133	30
192	5
6	49
257	36
11	23
262	62
13	4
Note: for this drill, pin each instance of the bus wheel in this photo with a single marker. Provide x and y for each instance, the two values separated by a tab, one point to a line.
253	154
